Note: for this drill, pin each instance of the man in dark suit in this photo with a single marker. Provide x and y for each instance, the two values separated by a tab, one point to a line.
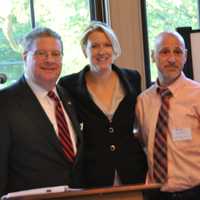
31	152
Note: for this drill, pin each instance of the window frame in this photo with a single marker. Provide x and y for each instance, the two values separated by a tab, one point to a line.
145	44
98	10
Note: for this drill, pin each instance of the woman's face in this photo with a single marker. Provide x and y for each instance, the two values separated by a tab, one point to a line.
99	51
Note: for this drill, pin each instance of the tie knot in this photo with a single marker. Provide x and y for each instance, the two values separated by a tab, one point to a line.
164	92
53	96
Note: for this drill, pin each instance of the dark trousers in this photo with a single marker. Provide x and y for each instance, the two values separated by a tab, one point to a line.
190	194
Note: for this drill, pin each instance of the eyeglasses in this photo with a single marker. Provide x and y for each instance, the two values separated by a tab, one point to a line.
44	54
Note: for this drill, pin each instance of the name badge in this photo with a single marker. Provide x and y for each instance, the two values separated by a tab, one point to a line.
180	134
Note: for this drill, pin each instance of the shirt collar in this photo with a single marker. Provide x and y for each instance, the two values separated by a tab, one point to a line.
37	89
176	85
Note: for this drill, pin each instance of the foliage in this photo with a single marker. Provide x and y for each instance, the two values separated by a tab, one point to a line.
68	18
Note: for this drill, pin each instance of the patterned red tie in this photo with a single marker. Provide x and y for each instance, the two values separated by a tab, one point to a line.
63	130
160	146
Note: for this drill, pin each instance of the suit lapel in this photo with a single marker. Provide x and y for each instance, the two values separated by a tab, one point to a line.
31	106
36	117
84	95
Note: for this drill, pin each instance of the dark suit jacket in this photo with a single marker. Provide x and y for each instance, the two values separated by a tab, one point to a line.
109	145
31	155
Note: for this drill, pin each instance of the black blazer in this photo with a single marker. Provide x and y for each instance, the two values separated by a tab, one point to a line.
109	145
31	155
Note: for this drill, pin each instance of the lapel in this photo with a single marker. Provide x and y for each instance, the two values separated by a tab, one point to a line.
30	106
36	117
124	76
84	95
81	84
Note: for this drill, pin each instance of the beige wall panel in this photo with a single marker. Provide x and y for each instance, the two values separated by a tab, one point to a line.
125	18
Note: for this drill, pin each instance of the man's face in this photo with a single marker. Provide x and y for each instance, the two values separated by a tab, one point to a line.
170	56
44	61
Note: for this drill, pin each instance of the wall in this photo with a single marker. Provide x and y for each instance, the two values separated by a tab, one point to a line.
125	18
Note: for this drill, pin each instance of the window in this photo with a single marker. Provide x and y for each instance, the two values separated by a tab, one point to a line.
14	23
69	18
166	15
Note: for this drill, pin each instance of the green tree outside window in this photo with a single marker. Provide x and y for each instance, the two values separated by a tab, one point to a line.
68	18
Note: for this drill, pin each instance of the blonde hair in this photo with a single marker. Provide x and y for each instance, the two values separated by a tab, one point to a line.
105	28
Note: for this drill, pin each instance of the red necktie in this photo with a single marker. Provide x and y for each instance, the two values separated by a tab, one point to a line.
160	146
63	130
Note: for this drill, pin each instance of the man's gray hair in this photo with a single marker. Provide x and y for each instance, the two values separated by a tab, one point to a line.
175	34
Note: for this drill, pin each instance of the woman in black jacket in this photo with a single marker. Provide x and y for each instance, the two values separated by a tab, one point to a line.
105	98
